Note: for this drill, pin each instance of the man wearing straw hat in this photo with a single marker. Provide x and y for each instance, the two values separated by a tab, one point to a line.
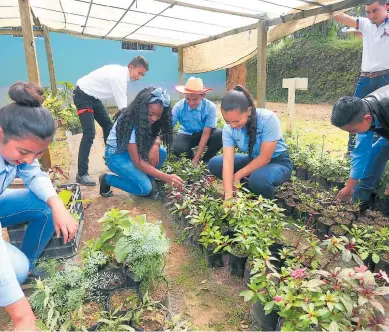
197	117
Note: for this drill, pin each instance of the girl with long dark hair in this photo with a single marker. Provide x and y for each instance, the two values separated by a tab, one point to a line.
258	133
134	151
26	130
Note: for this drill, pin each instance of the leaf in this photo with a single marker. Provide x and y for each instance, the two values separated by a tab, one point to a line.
378	306
65	196
358	260
375	258
333	327
346	256
247	294
269	306
50	315
382	291
313	283
105	236
121	250
348	303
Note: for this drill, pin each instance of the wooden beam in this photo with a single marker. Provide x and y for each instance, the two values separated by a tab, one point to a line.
221	35
37	32
342	5
181	65
261	63
50	62
209	9
29	41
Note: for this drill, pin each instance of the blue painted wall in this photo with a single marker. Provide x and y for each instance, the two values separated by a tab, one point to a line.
75	57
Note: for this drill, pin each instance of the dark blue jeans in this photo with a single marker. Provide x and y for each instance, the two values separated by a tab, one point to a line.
19	206
364	87
262	181
128	177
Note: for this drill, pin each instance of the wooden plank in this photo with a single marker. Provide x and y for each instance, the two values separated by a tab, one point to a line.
50	62
11	32
29	41
209	9
261	63
343	5
181	65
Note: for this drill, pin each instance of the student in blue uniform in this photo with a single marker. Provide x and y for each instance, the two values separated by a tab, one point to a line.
26	130
197	117
256	131
134	152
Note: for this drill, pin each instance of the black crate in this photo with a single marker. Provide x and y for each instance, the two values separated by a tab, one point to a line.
56	248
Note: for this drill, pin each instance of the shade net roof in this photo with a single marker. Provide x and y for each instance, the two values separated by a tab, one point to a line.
157	22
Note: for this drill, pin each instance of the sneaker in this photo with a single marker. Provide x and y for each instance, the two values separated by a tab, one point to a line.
86	180
105	188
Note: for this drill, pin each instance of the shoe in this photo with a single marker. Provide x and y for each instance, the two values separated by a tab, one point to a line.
105	188
86	180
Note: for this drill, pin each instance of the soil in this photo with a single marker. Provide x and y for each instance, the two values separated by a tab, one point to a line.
91	315
152	320
159	291
125	299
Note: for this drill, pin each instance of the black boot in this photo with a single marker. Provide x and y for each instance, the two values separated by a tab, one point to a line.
86	180
105	188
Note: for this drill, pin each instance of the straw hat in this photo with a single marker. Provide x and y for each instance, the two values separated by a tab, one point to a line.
193	85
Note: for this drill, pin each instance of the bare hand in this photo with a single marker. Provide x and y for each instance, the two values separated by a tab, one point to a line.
64	223
154	155
175	181
345	194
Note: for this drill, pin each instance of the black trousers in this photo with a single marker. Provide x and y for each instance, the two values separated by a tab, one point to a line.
100	114
184	143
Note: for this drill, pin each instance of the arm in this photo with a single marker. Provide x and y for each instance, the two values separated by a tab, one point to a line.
175	112
360	158
11	295
266	153
228	171
203	143
347	20
40	184
170	179
209	123
154	152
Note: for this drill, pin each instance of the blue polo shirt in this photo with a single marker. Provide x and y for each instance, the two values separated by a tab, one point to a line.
194	120
268	130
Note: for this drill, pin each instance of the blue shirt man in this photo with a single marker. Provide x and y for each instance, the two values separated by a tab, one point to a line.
364	117
197	117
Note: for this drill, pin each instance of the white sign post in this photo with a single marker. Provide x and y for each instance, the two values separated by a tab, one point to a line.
293	84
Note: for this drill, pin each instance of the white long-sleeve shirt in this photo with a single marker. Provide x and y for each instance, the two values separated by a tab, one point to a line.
107	82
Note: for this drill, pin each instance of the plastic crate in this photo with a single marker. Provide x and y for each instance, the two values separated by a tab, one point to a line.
56	247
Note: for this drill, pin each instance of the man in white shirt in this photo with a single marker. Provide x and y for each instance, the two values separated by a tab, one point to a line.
375	59
101	84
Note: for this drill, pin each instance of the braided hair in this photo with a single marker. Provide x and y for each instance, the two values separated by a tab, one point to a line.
240	98
136	115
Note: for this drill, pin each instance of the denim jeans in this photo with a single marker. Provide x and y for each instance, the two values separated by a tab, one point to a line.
19	262
18	206
128	177
364	87
263	180
373	171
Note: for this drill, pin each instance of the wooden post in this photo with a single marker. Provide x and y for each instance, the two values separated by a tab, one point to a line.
181	65
29	42
50	62
293	84
261	63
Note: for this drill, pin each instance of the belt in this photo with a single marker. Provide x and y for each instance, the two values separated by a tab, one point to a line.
374	74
